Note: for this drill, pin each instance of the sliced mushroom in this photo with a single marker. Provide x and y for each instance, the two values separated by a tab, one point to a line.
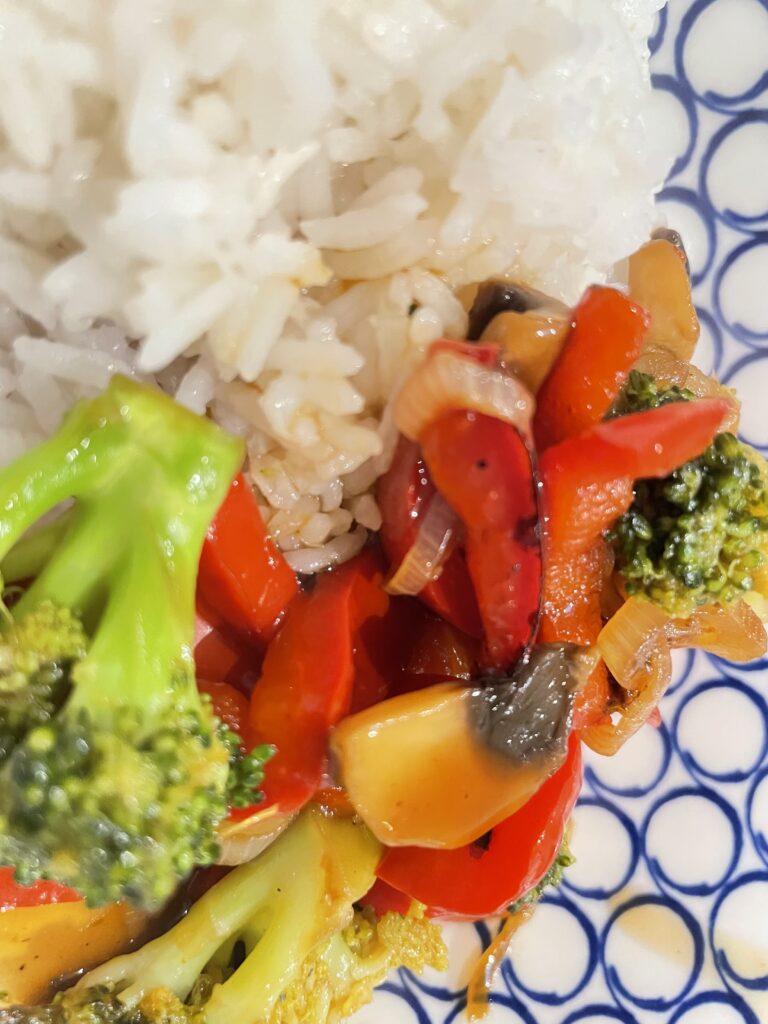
529	344
528	717
442	766
528	326
496	297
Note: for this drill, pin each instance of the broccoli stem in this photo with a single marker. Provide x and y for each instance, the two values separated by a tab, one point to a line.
276	940
143	640
74	575
270	966
69	462
28	558
294	896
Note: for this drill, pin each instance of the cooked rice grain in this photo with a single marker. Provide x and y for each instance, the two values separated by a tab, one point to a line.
268	208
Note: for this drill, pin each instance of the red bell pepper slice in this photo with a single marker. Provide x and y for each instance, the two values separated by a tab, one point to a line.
604	342
222	654
306	682
408	649
383	898
404	494
13	895
587	483
243	579
484	878
482	467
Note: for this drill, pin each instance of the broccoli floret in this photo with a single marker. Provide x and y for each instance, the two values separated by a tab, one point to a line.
116	773
246	768
696	535
275	941
36	655
641	392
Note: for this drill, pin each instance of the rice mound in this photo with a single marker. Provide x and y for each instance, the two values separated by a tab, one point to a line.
268	208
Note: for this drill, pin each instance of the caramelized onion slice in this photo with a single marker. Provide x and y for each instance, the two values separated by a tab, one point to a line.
636	645
658	281
653	678
732	631
671	370
627	640
447	380
242	841
486	968
426	557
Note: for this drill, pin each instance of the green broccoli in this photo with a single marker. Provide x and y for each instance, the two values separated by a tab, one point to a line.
114	773
695	536
275	941
641	392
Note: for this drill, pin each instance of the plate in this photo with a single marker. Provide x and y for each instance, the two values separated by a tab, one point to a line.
664	917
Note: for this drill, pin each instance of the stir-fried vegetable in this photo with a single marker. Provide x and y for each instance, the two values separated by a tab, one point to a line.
659	283
606	338
243	579
529	328
695	535
611	456
456	376
405	493
275	940
503	866
489	748
443	708
116	774
307	678
42	943
636	645
483	468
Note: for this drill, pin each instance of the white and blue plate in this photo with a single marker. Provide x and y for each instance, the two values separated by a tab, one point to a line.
664	917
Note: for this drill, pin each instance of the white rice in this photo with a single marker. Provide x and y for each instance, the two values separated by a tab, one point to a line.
267	208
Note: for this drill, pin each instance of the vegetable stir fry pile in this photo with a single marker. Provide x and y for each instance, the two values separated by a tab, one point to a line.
568	502
288	915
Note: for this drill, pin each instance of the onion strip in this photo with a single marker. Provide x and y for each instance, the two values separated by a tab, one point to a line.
636	645
243	841
424	560
484	972
448	381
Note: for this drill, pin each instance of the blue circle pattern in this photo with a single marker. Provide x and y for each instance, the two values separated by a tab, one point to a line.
618	989
601	892
730	815
601	995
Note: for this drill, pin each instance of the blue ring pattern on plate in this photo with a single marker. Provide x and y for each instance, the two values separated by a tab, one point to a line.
681	769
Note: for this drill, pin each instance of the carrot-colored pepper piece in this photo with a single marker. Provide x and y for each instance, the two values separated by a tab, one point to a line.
482	467
306	682
605	340
243	578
